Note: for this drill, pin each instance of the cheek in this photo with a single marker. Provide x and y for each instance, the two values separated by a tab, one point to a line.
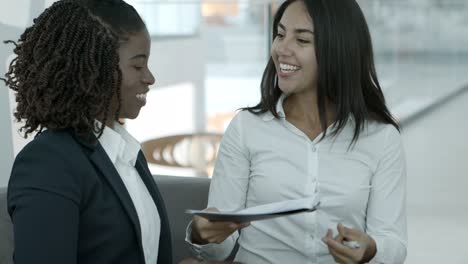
273	56
309	61
128	84
273	52
129	75
126	93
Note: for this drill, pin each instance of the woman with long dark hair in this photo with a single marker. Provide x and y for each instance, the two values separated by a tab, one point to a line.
321	128
81	191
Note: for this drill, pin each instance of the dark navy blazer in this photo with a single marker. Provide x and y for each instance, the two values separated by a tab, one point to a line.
69	205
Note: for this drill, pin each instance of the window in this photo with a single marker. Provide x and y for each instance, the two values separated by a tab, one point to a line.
171	18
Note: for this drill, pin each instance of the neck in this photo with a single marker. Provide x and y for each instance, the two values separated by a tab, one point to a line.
303	107
109	123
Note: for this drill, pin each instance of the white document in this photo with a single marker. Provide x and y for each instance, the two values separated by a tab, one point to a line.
261	212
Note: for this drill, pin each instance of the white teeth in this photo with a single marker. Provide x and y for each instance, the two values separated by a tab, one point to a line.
141	97
288	68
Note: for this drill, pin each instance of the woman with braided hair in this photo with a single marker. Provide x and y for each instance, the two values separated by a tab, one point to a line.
81	191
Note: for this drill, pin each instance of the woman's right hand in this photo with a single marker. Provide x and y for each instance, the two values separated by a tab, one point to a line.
205	231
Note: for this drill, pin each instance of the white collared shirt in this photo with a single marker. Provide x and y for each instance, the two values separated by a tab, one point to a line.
123	150
263	160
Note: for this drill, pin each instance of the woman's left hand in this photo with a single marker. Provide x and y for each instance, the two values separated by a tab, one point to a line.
346	255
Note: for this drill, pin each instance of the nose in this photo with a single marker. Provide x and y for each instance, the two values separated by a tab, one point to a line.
149	78
283	48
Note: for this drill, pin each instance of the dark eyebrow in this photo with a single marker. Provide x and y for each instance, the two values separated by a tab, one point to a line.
281	26
298	30
139	56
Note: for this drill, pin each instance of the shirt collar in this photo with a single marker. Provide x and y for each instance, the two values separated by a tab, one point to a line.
268	116
118	143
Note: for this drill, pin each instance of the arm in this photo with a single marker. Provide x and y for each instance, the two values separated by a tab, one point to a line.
386	212
228	189
43	208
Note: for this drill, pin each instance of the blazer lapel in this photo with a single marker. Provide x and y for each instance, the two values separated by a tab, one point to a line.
165	241
99	157
104	164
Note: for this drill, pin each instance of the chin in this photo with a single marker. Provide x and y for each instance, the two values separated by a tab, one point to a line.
285	89
131	115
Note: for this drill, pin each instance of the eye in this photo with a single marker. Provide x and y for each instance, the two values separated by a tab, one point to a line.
138	68
280	35
303	41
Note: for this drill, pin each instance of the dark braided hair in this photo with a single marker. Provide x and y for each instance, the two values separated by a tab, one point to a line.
66	72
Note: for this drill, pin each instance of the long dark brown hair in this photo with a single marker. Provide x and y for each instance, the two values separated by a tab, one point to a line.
346	70
66	69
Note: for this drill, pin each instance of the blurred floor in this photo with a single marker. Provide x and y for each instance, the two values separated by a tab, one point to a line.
437	156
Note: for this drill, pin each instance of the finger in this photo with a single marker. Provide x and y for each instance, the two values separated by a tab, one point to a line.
217	231
349	233
243	225
339	258
218	225
189	261
216	238
212	235
339	238
205	226
224	226
328	236
339	248
342	230
235	226
211	209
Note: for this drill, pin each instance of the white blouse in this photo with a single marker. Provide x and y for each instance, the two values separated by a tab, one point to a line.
123	150
263	160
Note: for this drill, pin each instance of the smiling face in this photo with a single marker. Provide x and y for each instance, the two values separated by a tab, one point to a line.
136	76
293	50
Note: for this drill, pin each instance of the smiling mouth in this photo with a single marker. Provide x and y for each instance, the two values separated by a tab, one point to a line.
288	68
141	98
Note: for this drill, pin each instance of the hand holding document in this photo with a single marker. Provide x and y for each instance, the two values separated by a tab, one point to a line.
265	211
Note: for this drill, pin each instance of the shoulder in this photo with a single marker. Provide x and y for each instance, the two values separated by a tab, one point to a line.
52	146
372	134
244	116
374	138
246	119
383	139
244	124
378	131
52	162
49	139
382	131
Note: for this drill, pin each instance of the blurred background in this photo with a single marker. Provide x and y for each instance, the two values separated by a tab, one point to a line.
208	57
